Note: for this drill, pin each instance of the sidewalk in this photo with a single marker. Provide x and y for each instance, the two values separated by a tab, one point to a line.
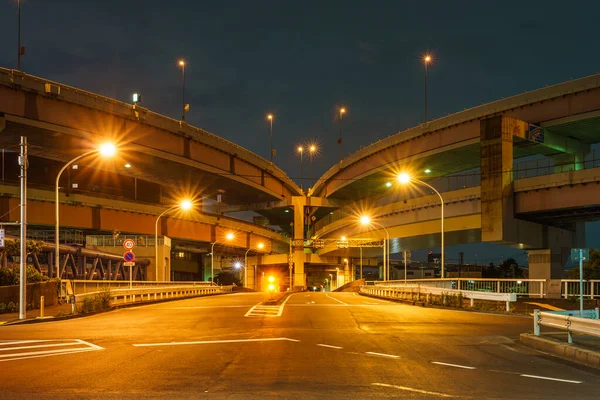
49	312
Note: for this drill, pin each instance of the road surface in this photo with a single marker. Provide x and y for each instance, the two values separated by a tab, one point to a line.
316	345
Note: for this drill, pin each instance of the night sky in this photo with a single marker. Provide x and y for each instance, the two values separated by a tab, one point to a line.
301	60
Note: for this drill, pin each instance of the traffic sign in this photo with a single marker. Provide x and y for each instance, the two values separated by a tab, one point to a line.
577	253
129	256
128	244
128	264
1	237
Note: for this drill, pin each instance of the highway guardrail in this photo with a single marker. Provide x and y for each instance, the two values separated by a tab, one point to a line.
586	326
409	290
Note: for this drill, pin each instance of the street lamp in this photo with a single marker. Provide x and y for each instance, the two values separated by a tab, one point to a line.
260	246
330	281
312	149
404	179
182	65
427	59
366	221
105	150
184	205
230	236
342	112
301	151
21	50
270	118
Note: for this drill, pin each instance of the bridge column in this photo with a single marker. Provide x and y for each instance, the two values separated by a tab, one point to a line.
299	202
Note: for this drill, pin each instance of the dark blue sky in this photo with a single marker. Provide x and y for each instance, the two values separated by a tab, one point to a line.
302	59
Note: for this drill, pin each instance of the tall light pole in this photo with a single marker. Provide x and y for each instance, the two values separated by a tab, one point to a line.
301	151
366	220
230	236
182	65
19	35
23	165
260	246
184	205
426	60
106	150
404	178
312	149
270	118
342	112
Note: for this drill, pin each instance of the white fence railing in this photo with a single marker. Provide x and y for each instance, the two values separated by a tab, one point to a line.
409	291
79	286
586	326
522	287
144	294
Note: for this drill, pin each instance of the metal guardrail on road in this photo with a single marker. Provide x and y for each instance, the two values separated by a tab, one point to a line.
79	286
402	291
586	326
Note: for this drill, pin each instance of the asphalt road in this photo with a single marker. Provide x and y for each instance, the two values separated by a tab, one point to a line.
317	345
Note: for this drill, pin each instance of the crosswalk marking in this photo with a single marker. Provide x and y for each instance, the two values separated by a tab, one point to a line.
12	350
261	310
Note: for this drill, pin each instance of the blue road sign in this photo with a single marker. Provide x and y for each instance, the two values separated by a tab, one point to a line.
575	253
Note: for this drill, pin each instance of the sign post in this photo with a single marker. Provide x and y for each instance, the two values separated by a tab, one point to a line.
129	259
580	255
406	257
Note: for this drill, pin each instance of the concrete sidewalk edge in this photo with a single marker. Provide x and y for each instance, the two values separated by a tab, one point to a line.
566	351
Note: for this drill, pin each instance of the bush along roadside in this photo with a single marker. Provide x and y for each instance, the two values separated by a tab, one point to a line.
95	303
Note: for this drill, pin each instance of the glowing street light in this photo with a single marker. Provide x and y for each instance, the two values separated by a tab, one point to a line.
366	221
185	205
105	150
184	107
342	112
404	179
270	118
312	149
427	59
301	151
229	236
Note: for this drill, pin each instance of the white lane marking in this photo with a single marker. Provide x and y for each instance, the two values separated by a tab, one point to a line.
261	310
382	354
200	307
36	353
330	346
353	293
215	342
339	301
38	346
409	389
22	341
452	365
94	346
50	355
550	379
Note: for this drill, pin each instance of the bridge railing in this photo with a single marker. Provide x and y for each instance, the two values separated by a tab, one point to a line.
521	287
78	286
570	288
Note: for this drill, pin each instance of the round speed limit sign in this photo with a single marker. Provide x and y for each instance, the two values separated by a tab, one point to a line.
128	244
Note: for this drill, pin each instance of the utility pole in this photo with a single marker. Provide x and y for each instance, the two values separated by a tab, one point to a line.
23	231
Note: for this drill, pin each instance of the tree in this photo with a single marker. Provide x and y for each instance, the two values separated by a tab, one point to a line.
12	247
510	269
591	269
227	278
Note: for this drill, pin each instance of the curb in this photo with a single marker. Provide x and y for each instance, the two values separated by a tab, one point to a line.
565	351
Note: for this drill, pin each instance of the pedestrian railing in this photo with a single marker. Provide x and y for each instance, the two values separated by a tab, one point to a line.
80	286
570	288
570	323
141	294
410	291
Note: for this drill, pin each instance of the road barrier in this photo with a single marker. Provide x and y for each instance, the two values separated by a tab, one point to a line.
79	286
586	326
409	290
143	294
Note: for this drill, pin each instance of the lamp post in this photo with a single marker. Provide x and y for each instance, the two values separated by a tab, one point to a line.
342	112
106	150
366	220
230	236
301	151
270	118
426	60
312	149
184	205
260	246
182	65
330	281
404	178
19	51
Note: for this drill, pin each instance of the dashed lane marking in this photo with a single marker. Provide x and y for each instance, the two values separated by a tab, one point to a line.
11	350
452	365
382	354
409	389
330	346
549	379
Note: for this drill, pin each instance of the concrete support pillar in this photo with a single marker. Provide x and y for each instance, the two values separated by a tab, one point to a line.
548	263
299	276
